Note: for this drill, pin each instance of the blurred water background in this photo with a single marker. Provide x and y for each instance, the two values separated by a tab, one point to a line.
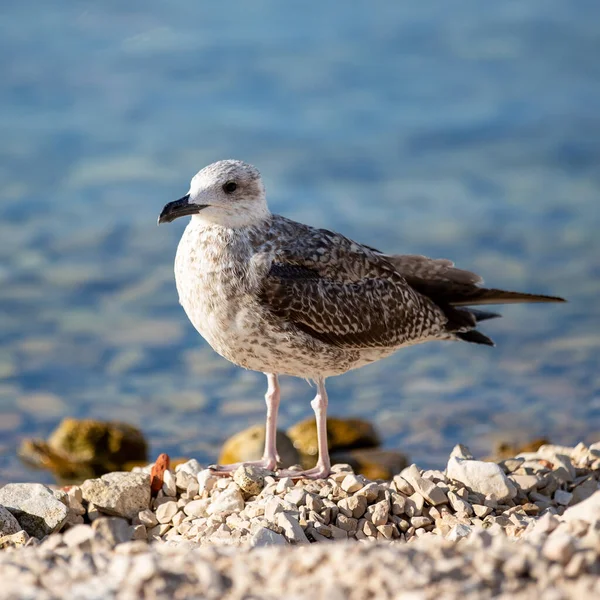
460	129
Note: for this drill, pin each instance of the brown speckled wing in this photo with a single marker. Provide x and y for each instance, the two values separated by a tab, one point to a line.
345	295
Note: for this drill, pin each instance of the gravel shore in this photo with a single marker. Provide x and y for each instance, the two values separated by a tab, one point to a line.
524	527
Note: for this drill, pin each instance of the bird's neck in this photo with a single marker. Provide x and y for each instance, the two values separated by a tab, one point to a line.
237	217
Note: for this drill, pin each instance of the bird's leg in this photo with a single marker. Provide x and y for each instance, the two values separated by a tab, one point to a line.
272	398
323	466
269	459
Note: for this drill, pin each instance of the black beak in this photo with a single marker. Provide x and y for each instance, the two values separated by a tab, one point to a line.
179	208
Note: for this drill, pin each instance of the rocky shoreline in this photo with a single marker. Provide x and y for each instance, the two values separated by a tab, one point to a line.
522	527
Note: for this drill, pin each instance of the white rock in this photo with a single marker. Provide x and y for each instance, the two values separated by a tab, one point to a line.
559	547
165	512
433	494
459	505
121	493
250	479
79	536
228	501
379	513
459	531
291	528
527	483
192	467
169	485
284	484
296	496
267	537
485	478
35	507
20	538
563	469
481	511
74	498
272	507
206	480
183	480
197	508
588	510
352	483
114	530
461	451
147	518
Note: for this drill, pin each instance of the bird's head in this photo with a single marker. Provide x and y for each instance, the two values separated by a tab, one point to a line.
228	193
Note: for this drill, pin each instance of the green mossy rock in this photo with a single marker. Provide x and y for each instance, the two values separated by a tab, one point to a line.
342	434
80	449
373	463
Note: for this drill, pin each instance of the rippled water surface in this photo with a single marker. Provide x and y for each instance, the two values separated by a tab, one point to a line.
455	129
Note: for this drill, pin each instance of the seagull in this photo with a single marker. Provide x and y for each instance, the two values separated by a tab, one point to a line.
284	298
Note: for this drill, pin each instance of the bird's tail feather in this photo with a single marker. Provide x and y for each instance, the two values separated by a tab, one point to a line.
479	296
475	337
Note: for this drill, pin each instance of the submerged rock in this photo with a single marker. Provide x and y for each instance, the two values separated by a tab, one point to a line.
79	449
35	507
342	434
373	463
249	444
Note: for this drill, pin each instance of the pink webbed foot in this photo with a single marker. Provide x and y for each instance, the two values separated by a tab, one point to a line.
318	472
269	464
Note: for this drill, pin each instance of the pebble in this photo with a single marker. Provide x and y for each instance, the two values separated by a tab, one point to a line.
481	510
169	487
267	537
543	543
147	518
379	513
403	486
296	496
459	505
352	483
120	494
165	512
191	467
291	528
563	497
417	522
559	547
80	536
114	530
228	501
35	507
197	508
250	479
526	483
485	478
16	540
8	523
426	488
459	531
588	510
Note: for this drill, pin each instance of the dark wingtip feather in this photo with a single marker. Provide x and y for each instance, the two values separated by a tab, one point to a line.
475	337
483	315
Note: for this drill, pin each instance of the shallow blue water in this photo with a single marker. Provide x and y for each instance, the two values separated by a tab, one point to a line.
458	129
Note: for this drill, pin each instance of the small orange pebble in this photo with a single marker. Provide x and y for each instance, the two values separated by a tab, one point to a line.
546	463
157	473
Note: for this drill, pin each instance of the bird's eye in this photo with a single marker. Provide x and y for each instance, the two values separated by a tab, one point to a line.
230	187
